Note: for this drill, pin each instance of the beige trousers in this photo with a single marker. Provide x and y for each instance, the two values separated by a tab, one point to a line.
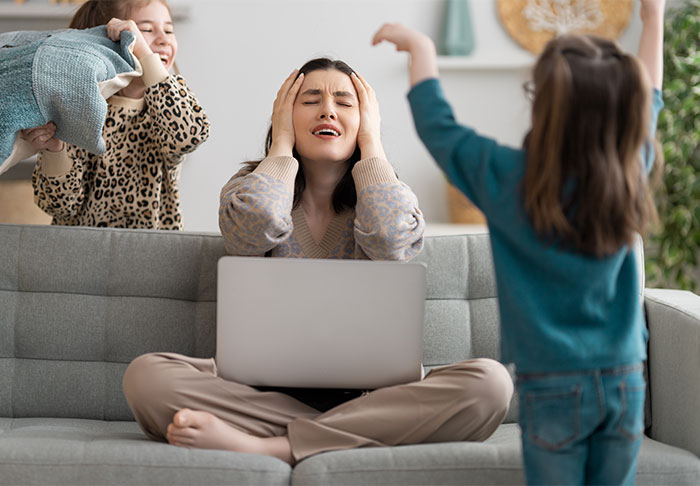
465	401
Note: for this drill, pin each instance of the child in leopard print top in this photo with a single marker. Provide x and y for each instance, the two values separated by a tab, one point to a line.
151	124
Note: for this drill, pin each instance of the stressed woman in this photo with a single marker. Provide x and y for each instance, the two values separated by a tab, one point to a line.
324	190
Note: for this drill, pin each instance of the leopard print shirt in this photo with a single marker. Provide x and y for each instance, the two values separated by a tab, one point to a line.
134	184
256	215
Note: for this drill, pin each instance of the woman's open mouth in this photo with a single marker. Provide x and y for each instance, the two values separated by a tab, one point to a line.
326	132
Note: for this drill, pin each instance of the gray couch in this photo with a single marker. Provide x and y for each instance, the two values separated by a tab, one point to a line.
77	305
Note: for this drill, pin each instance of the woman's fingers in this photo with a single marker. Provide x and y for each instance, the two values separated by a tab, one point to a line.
360	88
286	85
283	92
283	107
365	84
364	91
294	90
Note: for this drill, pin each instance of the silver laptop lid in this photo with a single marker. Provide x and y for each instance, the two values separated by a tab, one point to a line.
319	323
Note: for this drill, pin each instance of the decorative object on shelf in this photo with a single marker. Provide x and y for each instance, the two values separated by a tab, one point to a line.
458	34
532	23
461	209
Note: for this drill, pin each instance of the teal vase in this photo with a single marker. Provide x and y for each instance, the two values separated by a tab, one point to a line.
458	35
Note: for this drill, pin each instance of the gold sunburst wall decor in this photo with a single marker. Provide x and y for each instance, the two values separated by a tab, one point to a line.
532	23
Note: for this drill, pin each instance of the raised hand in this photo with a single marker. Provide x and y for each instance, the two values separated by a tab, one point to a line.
282	109
402	37
368	137
116	26
652	8
418	45
651	42
43	138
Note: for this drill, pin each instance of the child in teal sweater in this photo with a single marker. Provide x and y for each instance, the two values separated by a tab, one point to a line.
563	213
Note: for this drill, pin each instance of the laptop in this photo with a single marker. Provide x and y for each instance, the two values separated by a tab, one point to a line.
313	323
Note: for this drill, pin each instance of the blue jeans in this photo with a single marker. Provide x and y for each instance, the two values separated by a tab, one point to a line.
582	427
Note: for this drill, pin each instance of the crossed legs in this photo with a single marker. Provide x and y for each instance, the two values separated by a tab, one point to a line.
183	401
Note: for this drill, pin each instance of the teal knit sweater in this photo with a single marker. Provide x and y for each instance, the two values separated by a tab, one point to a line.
560	310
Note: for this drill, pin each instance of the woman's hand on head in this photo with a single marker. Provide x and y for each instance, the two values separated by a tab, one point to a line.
115	27
43	138
282	126
368	136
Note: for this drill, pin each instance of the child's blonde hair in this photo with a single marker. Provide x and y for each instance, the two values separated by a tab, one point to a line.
585	183
98	12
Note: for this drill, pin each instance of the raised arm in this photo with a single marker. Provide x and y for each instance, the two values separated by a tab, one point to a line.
652	40
418	45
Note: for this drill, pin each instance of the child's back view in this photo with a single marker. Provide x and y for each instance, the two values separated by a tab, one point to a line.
563	214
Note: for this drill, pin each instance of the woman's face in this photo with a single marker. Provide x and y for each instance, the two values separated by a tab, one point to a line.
326	116
156	26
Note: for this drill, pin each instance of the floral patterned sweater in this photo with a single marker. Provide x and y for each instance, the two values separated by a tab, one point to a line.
256	215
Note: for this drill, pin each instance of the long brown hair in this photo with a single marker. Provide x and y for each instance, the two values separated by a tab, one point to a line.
585	184
344	194
98	12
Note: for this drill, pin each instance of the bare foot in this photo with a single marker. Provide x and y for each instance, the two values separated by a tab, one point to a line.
203	430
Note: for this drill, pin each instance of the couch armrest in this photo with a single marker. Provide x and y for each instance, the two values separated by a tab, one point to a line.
673	318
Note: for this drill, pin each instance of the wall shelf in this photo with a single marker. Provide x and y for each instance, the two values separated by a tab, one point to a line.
30	11
457	63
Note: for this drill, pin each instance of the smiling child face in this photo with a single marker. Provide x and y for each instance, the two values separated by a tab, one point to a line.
156	26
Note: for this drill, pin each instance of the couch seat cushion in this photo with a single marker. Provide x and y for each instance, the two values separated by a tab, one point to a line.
94	452
495	461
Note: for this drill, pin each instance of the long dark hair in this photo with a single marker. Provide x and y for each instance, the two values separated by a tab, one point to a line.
98	12
585	184
344	195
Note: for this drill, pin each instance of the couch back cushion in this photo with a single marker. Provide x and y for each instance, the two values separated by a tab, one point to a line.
78	304
461	308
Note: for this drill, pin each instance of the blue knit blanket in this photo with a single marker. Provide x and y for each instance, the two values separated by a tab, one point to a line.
64	76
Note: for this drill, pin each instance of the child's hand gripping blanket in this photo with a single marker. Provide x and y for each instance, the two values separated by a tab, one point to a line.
64	76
